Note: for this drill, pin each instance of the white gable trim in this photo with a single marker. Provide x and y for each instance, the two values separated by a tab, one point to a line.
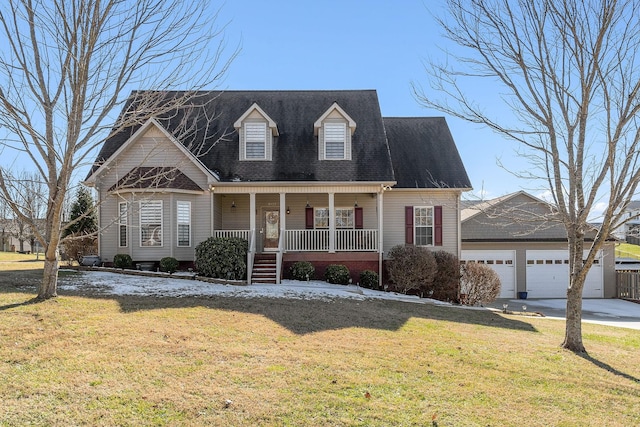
211	178
255	107
334	107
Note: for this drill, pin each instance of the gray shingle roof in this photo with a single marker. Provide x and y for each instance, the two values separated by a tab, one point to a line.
156	177
419	152
424	154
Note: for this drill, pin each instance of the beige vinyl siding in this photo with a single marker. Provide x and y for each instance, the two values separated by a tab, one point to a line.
153	152
394	203
152	149
109	237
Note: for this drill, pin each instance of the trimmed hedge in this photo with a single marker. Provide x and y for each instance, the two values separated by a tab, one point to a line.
169	264
303	270
122	261
369	279
337	274
222	258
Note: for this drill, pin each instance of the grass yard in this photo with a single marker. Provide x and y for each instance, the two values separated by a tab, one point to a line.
132	361
627	250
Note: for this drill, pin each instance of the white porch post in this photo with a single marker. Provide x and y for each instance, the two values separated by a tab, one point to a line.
252	211
380	238
283	212
332	223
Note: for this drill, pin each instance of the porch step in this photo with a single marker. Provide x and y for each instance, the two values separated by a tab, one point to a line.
264	269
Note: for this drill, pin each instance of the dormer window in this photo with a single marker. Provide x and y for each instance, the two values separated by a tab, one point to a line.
255	137
256	131
334	130
335	138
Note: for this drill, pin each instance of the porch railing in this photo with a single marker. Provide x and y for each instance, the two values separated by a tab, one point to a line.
243	234
357	240
306	240
318	240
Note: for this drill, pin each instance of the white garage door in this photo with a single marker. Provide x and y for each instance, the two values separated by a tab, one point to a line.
548	275
503	262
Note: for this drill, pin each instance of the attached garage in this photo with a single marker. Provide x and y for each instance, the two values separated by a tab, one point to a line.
502	261
517	236
548	275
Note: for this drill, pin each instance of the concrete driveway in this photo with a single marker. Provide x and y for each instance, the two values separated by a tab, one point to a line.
612	312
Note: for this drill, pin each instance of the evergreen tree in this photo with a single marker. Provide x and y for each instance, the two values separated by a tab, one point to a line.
83	218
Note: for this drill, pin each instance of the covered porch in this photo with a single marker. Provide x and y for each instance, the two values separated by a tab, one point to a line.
301	222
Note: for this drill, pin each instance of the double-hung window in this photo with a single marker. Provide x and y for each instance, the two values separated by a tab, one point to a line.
321	219
255	138
151	223
423	225
343	218
335	135
184	223
122	224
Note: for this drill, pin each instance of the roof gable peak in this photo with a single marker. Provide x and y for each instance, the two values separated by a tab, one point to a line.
334	107
256	108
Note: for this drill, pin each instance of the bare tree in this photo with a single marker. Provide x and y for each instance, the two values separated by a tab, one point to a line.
67	65
568	71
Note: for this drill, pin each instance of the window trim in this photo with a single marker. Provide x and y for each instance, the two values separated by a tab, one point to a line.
186	204
143	205
123	224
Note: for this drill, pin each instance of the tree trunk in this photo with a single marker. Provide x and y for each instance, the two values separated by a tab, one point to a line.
573	327
49	286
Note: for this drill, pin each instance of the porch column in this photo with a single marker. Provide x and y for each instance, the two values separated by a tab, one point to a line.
252	220
332	224
380	238
283	212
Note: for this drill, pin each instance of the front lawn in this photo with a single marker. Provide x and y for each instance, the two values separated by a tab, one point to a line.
96	360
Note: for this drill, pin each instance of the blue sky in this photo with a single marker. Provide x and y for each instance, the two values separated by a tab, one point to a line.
353	44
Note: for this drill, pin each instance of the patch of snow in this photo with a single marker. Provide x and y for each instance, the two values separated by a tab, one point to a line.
123	284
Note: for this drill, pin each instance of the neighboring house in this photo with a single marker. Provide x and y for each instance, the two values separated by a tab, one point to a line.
15	237
319	176
517	236
630	231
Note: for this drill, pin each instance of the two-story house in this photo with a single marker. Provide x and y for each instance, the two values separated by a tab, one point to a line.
319	176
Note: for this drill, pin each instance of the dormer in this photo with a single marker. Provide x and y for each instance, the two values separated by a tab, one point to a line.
334	130
256	131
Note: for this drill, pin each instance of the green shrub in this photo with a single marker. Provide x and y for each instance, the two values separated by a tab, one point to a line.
169	264
122	261
222	257
446	282
479	284
302	270
411	268
369	279
337	274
